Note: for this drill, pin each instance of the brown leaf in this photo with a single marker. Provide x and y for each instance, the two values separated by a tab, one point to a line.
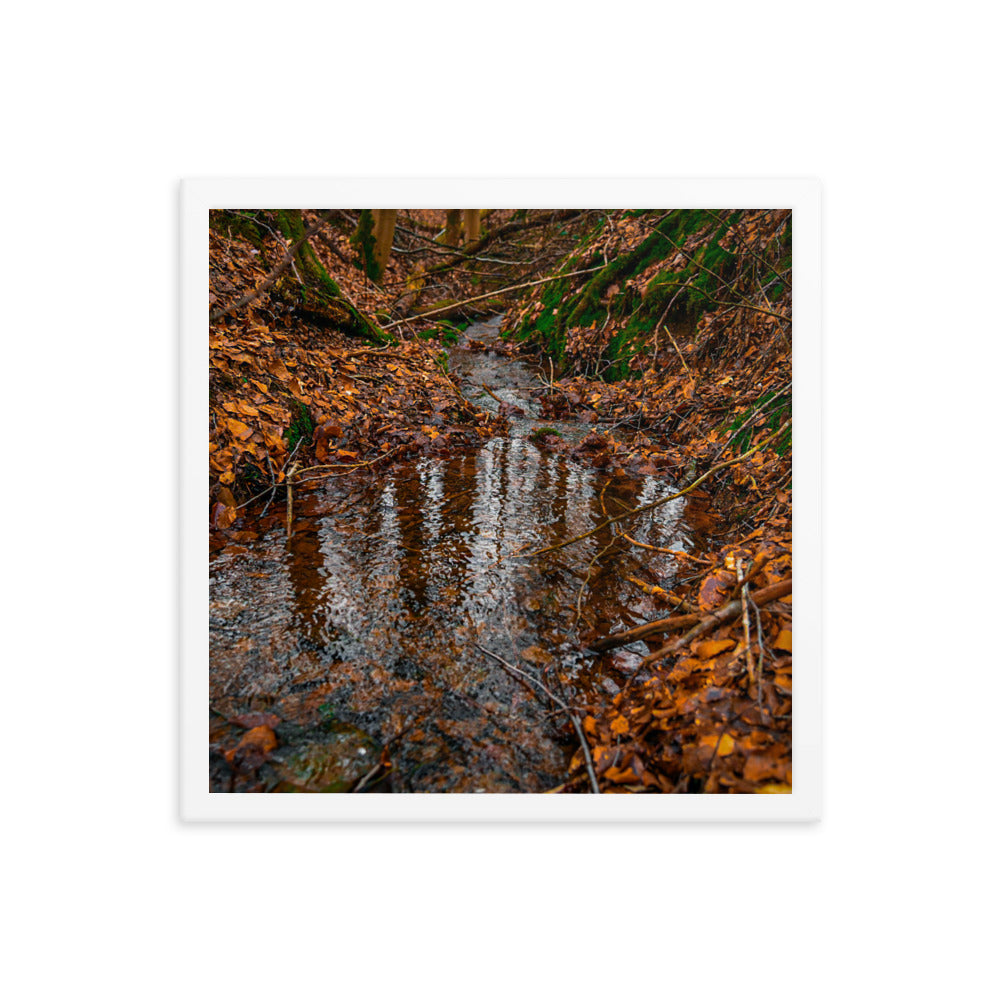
715	590
760	766
711	647
222	515
238	429
261	738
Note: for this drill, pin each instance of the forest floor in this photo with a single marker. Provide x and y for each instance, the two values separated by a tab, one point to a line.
666	335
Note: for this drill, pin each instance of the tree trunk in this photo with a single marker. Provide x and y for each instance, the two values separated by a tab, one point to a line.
385	227
363	241
471	224
319	293
453	227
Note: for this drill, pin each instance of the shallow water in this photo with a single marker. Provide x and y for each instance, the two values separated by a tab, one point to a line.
359	636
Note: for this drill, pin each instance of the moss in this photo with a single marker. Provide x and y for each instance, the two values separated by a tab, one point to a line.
302	425
702	277
770	411
363	242
539	433
319	293
237	223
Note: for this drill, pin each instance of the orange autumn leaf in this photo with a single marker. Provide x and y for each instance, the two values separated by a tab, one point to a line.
715	590
602	756
619	725
273	438
223	516
261	738
238	429
711	647
761	766
726	745
784	640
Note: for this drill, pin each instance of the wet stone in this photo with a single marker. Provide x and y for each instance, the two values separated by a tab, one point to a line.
333	759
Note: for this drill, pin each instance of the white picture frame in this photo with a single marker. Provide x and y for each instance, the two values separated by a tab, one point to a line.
198	196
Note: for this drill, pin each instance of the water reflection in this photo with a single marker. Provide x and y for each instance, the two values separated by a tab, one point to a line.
371	614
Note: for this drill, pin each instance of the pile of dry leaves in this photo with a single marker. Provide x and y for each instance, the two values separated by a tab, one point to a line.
286	391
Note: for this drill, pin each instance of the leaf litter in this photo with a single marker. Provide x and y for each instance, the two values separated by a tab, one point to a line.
701	702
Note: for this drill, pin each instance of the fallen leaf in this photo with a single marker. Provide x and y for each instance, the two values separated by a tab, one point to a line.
711	647
715	590
238	429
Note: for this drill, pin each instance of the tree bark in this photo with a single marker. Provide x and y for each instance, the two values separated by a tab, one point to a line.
471	224
385	227
293	249
453	227
472	249
320	293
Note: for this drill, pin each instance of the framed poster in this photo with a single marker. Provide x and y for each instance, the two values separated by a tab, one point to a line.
499	522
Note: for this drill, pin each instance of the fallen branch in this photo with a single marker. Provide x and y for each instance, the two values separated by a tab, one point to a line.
631	635
595	787
288	500
676	621
344	469
489	295
274	273
664	595
471	249
725	614
744	596
656	503
492	393
679	553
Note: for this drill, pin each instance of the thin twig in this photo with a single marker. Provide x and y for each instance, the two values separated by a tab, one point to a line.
346	468
274	274
657	503
490	295
288	500
744	597
596	788
720	617
678	553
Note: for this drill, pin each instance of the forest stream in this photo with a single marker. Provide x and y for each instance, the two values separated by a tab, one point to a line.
360	641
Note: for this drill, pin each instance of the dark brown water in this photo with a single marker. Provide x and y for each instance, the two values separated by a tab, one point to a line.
360	635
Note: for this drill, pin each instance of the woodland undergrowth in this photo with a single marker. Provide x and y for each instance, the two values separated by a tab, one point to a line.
667	331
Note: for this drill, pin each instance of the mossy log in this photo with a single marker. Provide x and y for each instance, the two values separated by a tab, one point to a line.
688	268
320	294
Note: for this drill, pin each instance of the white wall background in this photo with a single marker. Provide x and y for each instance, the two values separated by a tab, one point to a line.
107	105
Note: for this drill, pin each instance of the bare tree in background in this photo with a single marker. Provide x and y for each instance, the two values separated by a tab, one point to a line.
385	227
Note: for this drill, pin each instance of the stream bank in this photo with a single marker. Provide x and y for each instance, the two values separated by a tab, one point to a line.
461	544
353	649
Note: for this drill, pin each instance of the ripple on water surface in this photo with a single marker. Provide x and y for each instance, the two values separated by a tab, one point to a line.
359	637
